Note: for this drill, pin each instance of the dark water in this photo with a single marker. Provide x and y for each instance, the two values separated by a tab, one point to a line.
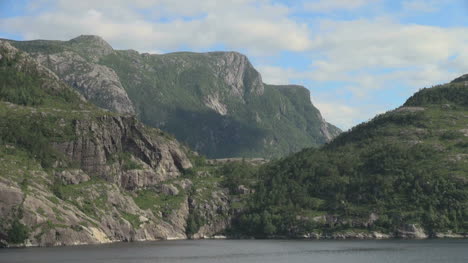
209	251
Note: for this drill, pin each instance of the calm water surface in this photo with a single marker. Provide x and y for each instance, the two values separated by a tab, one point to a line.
246	251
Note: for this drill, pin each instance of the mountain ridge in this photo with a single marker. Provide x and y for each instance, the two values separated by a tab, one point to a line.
219	95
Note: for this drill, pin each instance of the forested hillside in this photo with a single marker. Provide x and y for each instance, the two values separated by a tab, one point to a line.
404	173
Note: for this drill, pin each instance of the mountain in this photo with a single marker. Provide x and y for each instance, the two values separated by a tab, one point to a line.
402	174
215	102
72	173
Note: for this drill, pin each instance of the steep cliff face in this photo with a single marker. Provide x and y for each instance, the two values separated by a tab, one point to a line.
99	142
75	63
237	72
71	173
215	102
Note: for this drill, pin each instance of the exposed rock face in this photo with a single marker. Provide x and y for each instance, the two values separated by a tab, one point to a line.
58	222
169	189
328	130
95	82
238	73
10	197
348	235
99	141
412	231
213	102
450	234
215	212
76	176
26	64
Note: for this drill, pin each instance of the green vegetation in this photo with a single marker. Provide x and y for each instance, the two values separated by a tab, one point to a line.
46	227
171	92
404	166
455	93
194	222
17	233
132	219
90	197
149	199
26	86
23	84
32	134
280	122
236	174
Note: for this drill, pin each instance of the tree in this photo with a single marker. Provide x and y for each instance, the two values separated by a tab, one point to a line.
17	233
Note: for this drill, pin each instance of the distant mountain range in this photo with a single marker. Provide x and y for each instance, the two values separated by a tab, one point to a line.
214	102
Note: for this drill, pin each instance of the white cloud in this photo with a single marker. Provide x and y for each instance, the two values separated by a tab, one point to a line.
331	5
261	26
367	43
421	5
277	75
373	52
342	115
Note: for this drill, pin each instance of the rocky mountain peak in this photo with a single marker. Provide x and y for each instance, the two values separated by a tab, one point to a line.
237	71
91	39
94	47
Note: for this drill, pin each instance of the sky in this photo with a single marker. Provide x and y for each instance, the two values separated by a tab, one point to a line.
358	58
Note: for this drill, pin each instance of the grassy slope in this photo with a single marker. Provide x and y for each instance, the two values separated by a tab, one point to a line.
407	166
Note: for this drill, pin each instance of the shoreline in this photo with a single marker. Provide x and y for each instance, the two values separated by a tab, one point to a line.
359	237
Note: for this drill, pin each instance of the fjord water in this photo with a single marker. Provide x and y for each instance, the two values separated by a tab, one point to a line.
247	251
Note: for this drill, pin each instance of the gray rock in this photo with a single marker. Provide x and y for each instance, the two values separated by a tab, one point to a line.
99	140
412	231
449	234
242	189
184	183
10	198
238	73
169	189
215	212
74	176
95	82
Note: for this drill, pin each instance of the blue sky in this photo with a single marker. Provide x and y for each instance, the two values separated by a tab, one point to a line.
357	57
